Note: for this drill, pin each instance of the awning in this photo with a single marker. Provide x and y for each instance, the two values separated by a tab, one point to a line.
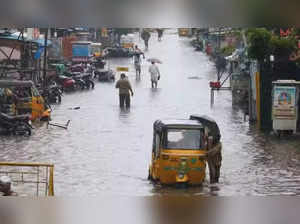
40	41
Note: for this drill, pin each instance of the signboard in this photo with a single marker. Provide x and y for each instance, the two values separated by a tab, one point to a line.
128	45
81	50
122	69
284	102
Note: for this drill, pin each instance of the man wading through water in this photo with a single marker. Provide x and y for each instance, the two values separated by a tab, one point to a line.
137	61
146	36
125	89
155	74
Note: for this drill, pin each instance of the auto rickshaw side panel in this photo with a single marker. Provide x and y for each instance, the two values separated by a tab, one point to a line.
38	104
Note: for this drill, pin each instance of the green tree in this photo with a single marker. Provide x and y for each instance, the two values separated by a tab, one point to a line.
259	40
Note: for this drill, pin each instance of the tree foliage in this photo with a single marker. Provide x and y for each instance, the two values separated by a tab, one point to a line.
260	46
263	43
282	47
228	50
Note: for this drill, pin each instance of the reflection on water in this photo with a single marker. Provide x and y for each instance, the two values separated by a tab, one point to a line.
108	150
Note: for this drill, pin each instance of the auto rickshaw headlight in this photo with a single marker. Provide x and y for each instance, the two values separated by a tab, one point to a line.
181	175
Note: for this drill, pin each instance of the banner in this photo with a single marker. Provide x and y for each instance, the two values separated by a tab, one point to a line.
284	101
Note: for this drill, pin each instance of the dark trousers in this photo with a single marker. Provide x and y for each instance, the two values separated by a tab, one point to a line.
153	84
146	43
124	98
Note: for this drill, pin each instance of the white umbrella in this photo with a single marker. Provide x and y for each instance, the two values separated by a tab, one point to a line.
155	60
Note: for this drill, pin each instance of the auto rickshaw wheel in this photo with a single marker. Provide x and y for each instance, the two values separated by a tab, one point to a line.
149	176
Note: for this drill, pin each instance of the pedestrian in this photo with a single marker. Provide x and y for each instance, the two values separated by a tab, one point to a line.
155	74
159	34
125	89
146	36
137	61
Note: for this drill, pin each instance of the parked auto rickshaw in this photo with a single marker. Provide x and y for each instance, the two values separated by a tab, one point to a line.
184	32
25	99
181	149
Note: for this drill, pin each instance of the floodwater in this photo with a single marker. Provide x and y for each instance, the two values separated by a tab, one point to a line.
107	151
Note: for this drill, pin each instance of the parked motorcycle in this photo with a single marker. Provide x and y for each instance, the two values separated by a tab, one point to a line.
105	75
79	82
16	125
77	68
53	93
87	78
66	83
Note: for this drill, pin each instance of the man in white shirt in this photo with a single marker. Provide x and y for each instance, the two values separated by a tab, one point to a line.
137	61
155	74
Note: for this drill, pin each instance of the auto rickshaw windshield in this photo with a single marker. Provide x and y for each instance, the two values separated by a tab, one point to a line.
189	139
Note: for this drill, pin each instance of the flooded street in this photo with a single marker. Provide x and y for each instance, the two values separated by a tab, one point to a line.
108	151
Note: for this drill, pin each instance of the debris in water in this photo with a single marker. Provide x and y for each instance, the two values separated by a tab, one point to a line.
75	108
194	77
59	125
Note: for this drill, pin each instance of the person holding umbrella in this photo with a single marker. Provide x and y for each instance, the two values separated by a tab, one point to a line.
154	72
137	61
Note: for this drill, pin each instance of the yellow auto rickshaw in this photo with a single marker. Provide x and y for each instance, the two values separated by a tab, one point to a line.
96	49
184	32
182	148
25	99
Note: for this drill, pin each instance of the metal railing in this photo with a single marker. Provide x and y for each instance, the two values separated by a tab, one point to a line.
37	175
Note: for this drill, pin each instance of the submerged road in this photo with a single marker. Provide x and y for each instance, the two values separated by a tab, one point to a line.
107	151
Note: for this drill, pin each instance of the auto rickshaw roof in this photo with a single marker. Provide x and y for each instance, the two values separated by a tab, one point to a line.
210	123
12	83
179	123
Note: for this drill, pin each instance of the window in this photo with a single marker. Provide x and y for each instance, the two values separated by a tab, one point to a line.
183	139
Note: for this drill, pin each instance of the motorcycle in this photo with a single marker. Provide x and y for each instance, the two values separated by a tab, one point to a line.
16	125
77	68
67	83
53	93
82	76
105	75
79	82
87	78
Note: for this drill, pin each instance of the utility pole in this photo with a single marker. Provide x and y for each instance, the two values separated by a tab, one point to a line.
219	39
45	58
